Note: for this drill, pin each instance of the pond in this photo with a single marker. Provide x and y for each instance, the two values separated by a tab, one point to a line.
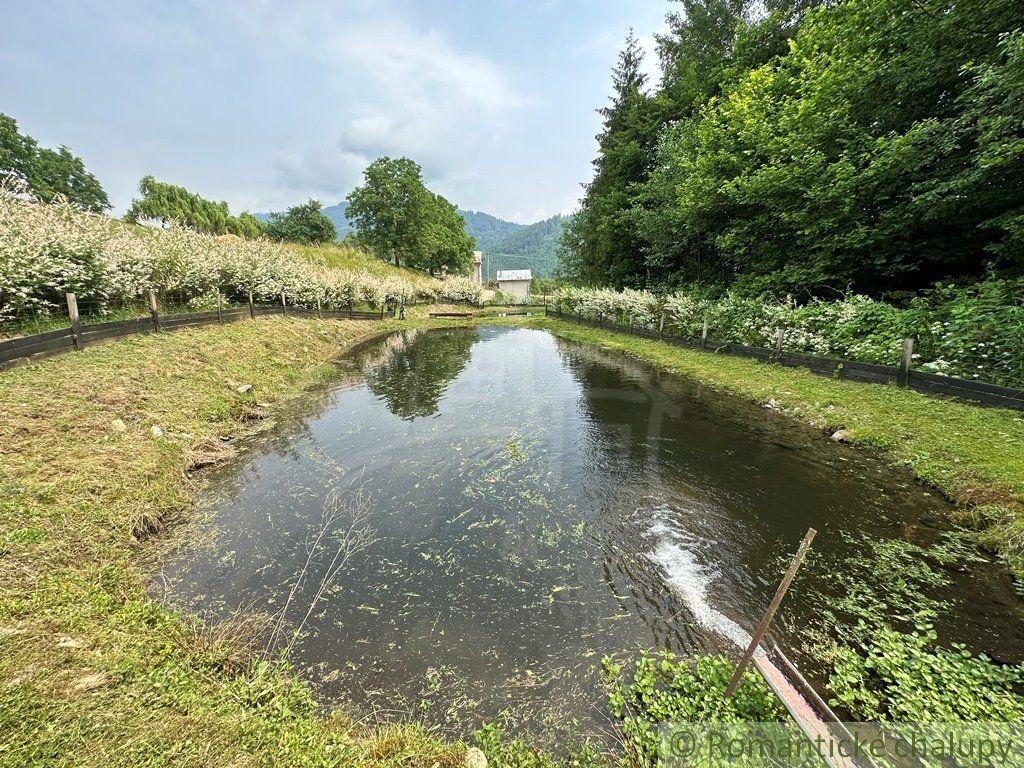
534	504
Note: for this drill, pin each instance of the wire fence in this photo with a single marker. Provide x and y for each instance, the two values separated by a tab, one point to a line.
902	375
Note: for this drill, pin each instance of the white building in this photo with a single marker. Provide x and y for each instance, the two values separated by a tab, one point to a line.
515	282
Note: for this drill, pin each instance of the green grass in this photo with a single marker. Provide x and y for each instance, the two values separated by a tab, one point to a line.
92	670
973	455
356	260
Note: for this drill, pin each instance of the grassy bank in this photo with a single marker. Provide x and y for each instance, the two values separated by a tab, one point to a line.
972	454
94	453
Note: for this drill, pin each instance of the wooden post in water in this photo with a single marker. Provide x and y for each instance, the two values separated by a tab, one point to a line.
766	621
153	311
903	376
704	335
252	307
780	337
76	323
284	304
220	307
319	314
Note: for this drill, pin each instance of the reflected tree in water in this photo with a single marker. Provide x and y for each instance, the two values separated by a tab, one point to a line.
414	376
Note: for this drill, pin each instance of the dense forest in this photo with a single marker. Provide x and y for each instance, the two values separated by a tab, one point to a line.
526	246
812	148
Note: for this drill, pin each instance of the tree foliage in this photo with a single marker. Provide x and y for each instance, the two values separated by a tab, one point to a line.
400	219
305	223
879	149
171	204
48	172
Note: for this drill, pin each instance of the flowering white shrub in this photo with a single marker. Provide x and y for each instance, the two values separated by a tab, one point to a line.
973	332
52	249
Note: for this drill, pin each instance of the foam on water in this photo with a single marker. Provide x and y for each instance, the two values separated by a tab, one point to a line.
675	554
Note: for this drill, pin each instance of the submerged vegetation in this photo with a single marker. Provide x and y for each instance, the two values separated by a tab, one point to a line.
94	450
971	454
94	453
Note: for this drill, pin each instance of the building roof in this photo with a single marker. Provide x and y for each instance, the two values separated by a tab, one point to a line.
507	275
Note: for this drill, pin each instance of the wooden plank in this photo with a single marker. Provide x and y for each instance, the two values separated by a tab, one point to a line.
813	727
766	620
35	338
969	384
63	343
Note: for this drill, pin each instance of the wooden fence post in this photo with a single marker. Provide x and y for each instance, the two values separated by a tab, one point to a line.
319	314
704	335
661	324
401	310
76	323
906	358
383	306
780	337
220	308
284	304
153	310
252	308
762	628
350	309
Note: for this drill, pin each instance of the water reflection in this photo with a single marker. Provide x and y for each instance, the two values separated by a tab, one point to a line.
418	368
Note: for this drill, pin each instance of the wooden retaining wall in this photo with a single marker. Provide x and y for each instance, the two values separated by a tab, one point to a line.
77	336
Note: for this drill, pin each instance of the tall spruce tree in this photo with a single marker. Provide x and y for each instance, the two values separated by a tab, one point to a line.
601	243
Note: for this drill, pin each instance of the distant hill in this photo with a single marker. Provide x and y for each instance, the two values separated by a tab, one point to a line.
534	246
488	230
506	244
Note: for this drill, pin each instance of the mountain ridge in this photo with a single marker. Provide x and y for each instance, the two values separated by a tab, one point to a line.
506	244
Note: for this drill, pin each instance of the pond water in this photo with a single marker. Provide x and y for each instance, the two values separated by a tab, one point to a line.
535	504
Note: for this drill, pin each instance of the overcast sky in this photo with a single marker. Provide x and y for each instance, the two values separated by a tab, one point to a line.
266	104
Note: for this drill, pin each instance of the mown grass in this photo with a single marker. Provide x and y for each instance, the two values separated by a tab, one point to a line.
92	670
973	455
355	259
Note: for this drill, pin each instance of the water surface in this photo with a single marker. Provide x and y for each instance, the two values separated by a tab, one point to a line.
537	504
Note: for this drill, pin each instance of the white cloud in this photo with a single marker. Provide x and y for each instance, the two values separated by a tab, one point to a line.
400	89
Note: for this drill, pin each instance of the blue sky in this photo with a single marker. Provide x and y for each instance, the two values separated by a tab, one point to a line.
265	104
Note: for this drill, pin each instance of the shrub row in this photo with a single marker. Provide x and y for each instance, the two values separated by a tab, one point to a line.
974	332
47	250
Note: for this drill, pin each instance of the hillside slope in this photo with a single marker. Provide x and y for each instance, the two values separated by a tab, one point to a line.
533	247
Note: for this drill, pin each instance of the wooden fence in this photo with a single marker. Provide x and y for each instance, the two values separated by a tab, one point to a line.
78	336
902	375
